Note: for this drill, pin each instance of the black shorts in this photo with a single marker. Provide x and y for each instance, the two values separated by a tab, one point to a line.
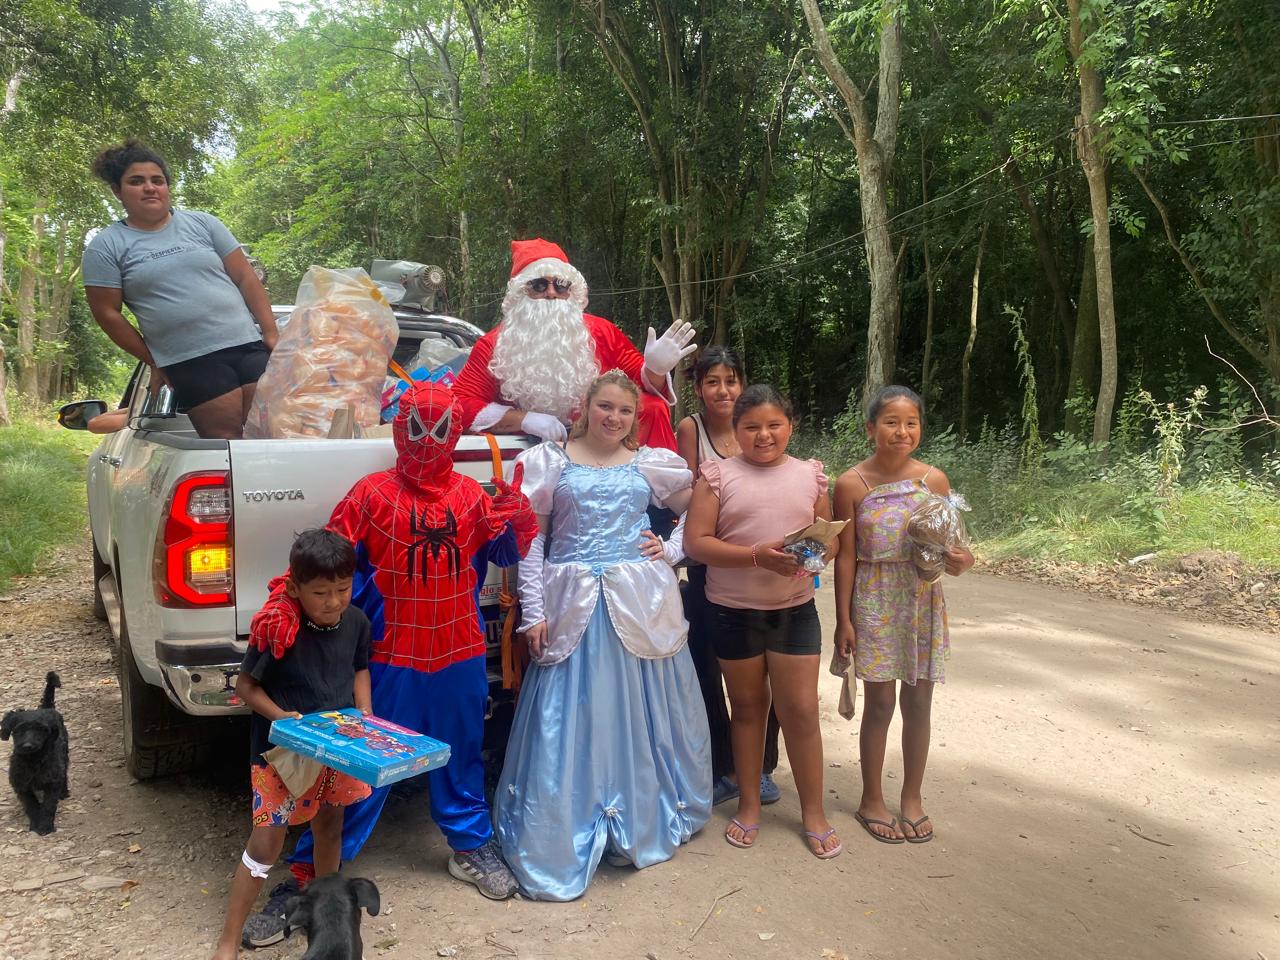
200	379
743	634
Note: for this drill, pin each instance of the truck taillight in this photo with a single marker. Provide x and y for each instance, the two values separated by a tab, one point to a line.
193	559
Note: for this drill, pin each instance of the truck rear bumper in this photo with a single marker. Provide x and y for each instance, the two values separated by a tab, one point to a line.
200	676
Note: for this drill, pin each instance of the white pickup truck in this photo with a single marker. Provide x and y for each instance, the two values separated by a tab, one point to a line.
186	534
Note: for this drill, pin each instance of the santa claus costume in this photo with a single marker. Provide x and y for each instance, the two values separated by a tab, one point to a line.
544	354
422	531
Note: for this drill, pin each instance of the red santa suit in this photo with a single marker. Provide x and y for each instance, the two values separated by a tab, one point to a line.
538	346
477	387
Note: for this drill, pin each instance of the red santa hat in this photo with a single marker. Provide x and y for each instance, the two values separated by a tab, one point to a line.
535	258
526	252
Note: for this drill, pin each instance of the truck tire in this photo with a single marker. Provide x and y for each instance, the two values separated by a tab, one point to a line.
100	569
159	739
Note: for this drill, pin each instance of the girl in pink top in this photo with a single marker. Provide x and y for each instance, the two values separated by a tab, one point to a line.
767	634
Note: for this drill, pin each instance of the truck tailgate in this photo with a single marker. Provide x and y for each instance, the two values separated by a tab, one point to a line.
280	488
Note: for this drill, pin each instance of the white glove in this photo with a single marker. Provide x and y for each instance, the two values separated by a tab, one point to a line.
661	354
544	426
673	546
529	583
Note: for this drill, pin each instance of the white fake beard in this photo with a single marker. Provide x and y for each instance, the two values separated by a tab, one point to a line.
545	357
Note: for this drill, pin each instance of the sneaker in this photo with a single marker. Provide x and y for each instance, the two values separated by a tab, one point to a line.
485	868
267	926
616	858
723	789
770	792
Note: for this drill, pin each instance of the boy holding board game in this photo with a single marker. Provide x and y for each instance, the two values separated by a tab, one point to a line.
323	665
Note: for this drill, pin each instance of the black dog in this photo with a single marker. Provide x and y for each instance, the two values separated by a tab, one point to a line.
38	764
329	911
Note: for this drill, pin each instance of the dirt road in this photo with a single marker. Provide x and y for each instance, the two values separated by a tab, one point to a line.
1103	783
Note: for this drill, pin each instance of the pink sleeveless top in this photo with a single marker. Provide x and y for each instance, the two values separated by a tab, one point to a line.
757	505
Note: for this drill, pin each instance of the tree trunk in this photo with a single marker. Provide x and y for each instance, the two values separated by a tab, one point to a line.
1083	378
1089	146
4	385
973	335
25	307
875	149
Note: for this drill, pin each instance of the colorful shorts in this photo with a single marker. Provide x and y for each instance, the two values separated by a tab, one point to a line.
274	806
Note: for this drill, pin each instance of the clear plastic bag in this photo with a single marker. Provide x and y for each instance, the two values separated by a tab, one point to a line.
933	528
332	354
809	553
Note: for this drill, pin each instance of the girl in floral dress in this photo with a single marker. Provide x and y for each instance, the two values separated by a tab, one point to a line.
892	622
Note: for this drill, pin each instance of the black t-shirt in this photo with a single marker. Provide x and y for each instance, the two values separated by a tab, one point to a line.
317	673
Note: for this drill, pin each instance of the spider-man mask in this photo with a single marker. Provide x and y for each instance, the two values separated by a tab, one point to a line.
426	430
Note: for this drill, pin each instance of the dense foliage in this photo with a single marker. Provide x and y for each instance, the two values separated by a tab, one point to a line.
702	159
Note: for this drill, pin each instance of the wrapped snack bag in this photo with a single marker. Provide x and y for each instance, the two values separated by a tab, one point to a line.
332	354
809	544
934	527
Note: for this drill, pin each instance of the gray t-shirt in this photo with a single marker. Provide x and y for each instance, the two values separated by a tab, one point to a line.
174	282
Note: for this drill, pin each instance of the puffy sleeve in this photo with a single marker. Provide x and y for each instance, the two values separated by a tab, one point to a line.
822	487
543	465
664	470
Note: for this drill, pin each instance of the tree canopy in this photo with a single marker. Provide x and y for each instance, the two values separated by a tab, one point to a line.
850	192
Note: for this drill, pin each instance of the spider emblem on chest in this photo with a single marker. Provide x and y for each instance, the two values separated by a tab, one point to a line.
434	539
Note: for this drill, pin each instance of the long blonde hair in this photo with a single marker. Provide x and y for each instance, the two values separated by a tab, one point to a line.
617	378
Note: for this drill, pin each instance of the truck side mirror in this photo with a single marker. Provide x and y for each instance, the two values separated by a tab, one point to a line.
76	416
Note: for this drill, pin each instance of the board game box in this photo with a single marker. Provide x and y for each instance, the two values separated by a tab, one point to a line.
371	749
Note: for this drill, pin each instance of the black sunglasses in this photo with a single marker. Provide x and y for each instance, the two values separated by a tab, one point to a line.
540	284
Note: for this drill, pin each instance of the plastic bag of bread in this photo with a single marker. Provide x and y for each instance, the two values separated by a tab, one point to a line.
933	528
332	354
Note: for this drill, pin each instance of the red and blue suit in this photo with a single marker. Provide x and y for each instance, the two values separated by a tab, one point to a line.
424	536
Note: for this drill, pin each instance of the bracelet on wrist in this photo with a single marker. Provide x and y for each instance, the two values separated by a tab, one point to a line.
755	562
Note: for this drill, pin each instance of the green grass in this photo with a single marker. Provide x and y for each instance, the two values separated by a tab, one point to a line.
42	492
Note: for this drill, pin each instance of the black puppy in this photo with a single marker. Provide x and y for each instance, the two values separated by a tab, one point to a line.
38	764
329	911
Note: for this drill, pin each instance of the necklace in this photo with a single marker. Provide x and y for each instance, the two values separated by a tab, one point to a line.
596	461
315	626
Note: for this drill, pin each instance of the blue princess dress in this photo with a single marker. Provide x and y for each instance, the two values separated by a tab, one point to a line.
610	750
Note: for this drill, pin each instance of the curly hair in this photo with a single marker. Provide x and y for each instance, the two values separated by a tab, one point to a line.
616	378
110	165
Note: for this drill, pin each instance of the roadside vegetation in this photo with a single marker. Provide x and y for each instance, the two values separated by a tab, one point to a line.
1176	479
42	490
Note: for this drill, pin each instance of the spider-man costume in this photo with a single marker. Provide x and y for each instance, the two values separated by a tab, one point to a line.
424	534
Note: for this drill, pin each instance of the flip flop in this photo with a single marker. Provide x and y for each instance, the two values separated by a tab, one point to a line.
866	825
747	828
820	839
915	825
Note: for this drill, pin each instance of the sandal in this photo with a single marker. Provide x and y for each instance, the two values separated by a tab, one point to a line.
747	828
866	825
820	839
915	826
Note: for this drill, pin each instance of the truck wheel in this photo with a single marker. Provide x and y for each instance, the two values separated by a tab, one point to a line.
100	570
159	739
